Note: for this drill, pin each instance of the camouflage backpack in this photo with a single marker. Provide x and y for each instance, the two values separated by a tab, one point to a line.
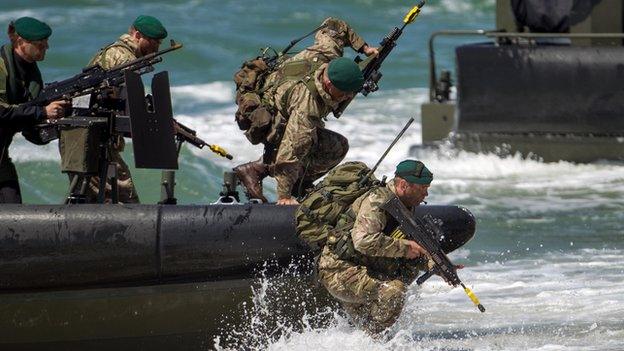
255	115
322	209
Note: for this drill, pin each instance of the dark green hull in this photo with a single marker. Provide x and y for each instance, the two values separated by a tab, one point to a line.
520	93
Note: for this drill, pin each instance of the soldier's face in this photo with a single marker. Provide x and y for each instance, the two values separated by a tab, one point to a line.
412	194
148	45
31	51
339	95
336	94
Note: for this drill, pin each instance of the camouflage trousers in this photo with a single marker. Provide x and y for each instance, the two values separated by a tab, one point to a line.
374	304
125	185
330	149
303	160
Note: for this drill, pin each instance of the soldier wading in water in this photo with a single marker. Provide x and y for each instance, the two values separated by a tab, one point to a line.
366	266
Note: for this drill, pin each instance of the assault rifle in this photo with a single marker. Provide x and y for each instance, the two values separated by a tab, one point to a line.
94	78
425	232
370	66
184	133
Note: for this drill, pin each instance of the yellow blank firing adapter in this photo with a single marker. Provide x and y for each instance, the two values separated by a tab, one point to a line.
473	298
411	16
220	151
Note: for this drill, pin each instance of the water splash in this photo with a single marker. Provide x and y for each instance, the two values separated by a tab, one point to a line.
282	305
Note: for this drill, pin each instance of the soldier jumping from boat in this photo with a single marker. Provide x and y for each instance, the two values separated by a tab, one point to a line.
286	110
298	149
378	247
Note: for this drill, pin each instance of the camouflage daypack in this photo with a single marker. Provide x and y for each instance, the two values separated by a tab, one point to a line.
255	82
326	208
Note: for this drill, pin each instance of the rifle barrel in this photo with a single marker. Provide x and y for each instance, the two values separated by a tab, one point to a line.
95	77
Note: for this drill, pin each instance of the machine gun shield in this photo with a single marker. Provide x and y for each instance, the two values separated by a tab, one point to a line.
152	127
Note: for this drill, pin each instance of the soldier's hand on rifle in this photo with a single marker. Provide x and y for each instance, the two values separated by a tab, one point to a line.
369	50
56	109
414	250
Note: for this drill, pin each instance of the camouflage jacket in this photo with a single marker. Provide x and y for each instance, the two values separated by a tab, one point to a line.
122	51
368	230
328	45
117	53
301	104
383	254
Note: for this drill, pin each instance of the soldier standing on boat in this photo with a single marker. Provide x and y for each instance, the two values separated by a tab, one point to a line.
20	82
366	265
144	37
298	149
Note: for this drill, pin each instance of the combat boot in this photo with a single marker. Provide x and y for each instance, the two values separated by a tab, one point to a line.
251	175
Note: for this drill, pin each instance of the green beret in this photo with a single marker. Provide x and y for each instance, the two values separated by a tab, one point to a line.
345	75
414	172
150	27
32	29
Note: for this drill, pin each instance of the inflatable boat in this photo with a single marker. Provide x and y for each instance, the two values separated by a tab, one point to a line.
107	276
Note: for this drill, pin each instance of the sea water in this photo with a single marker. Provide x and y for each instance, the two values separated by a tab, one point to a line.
547	258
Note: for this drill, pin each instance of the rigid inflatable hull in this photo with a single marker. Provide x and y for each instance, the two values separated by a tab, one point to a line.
103	276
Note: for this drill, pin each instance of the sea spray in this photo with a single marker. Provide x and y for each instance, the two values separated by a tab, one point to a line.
284	300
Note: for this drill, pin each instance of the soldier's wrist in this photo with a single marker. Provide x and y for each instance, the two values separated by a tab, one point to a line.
359	46
405	248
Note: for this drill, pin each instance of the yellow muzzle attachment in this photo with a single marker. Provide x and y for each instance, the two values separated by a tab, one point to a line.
411	16
473	298
220	151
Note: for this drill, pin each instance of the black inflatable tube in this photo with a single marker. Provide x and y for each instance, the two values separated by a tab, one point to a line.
45	247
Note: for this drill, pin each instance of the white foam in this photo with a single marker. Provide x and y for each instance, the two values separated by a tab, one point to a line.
460	7
370	124
215	92
23	151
